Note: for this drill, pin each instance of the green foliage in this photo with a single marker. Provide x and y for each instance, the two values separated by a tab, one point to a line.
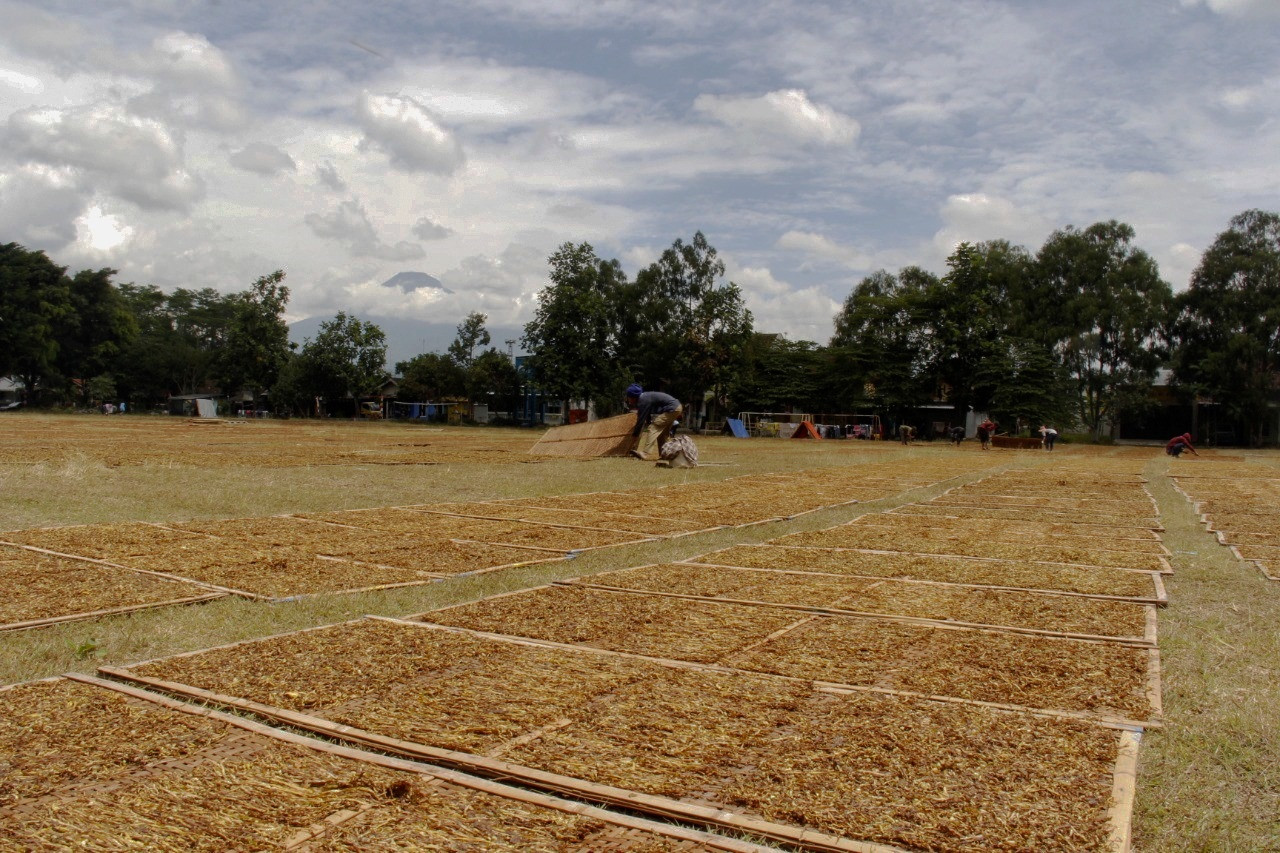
35	302
257	339
86	650
1109	311
101	388
678	327
778	375
180	339
968	329
1228	321
883	344
471	334
346	360
573	335
430	377
95	332
492	373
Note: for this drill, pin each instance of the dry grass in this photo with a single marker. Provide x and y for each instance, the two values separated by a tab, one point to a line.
1210	779
1207	781
83	490
89	769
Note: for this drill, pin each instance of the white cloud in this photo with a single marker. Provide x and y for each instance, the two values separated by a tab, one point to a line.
425	229
1238	8
977	217
804	313
38	208
823	247
136	159
102	231
349	225
786	113
24	83
408	133
192	62
262	159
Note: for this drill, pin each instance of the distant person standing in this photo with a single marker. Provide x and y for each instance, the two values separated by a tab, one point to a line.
986	429
1049	435
906	433
656	415
1179	443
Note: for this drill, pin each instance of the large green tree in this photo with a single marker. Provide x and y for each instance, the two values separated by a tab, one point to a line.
1227	329
966	314
679	326
93	335
471	334
492	378
257	339
346	360
200	322
35	301
1106	307
883	342
780	375
572	336
430	377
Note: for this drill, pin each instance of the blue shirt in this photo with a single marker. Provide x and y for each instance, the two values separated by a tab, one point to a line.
652	403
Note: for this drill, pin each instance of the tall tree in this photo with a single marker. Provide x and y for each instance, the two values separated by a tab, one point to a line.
35	298
1109	309
679	326
200	321
779	375
492	377
1227	330
430	377
93	335
257	340
347	359
145	371
883	342
471	334
968	327
572	336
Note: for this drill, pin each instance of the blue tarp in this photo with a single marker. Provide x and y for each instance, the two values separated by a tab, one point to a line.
736	427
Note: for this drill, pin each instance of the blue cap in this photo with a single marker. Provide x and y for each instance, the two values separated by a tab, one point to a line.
634	390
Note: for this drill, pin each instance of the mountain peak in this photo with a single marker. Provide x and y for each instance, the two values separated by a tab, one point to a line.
410	281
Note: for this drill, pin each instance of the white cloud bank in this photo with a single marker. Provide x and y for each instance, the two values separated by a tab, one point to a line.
786	113
409	134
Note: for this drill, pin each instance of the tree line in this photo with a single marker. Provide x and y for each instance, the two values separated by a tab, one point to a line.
79	340
1072	334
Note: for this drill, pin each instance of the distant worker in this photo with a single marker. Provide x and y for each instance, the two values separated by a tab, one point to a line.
906	433
1179	443
957	435
656	415
1049	435
986	429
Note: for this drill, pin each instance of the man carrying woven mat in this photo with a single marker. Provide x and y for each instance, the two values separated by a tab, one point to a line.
656	413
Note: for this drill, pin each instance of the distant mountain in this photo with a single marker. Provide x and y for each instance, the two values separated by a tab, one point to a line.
410	281
408	338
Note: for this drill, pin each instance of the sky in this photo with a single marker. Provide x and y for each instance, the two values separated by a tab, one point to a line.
205	143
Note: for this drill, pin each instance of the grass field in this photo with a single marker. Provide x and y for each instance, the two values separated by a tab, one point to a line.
1209	779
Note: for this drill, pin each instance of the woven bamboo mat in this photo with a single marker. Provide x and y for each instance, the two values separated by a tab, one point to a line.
664	731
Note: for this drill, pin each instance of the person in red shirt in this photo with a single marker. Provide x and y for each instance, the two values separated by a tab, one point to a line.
986	429
1179	443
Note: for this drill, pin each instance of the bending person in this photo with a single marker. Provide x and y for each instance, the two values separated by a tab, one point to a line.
1179	443
656	413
